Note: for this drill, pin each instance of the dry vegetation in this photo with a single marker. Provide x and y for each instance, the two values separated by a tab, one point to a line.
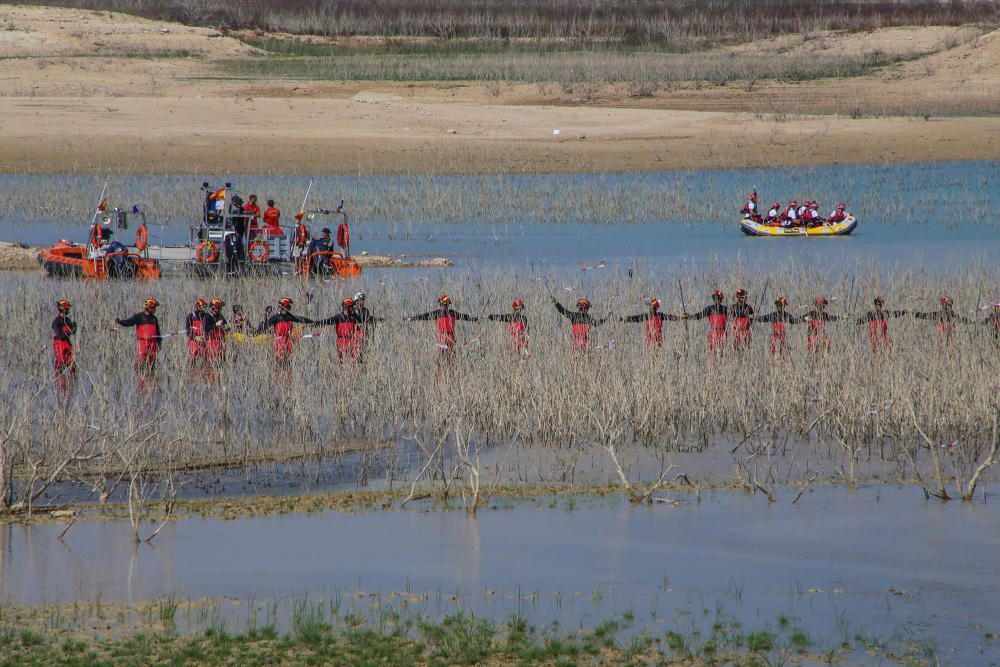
925	409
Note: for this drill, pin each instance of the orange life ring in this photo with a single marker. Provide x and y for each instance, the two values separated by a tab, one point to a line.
212	254
141	238
258	251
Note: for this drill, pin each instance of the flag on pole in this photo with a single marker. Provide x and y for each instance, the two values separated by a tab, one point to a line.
103	206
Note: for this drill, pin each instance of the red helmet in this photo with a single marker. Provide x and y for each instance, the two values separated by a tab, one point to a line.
285	303
776	204
822	300
150	304
945	300
348	302
654	304
63	305
781	301
814	205
200	304
583	304
717	294
444	299
217	304
841	206
517	304
753	196
741	293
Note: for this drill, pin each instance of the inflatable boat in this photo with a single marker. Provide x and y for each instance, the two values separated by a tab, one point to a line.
116	262
754	228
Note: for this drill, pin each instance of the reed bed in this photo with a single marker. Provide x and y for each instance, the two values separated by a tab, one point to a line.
892	194
680	25
487	416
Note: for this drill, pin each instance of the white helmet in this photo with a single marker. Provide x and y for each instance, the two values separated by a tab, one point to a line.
359	296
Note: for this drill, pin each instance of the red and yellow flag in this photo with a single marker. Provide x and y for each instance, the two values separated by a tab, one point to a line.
103	206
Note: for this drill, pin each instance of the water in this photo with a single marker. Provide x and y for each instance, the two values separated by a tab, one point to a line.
882	561
934	215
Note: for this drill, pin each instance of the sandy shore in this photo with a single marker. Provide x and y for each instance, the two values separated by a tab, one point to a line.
69	103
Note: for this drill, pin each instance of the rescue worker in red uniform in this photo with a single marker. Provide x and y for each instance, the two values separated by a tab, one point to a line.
817	318
517	326
992	323
147	334
215	333
272	220
63	330
194	325
445	317
239	319
282	323
778	319
654	320
347	325
750	210
582	322
839	214
252	209
945	318
717	315
878	325
742	314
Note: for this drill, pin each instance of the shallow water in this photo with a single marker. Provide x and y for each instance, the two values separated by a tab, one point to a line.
882	561
934	215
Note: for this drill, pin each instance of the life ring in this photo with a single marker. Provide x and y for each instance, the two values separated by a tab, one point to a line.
141	238
258	251
207	252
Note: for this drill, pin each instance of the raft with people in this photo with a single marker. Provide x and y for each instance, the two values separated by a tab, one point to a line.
795	219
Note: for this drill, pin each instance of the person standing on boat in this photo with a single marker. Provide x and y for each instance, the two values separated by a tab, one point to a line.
839	214
445	318
252	211
878	325
773	218
742	314
750	210
581	321
283	323
517	326
654	320
194	326
272	220
778	319
791	214
215	333
147	335
945	318
63	330
817	318
717	314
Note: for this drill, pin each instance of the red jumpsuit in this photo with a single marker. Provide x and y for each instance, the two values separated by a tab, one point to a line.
254	212
654	325
716	314
742	314
282	323
272	222
194	324
878	327
62	345
445	319
778	320
215	337
348	333
148	337
818	338
517	326
581	324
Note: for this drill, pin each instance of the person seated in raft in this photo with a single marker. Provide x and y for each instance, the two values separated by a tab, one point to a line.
791	217
272	220
812	215
801	212
773	218
750	211
839	214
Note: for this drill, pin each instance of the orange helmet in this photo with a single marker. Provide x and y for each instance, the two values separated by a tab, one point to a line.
793	203
822	300
217	304
946	300
741	293
285	303
150	304
583	304
200	304
654	304
753	196
781	301
717	294
348	302
63	305
517	305
444	299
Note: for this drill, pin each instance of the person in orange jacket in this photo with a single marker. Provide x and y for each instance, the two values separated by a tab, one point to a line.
272	220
